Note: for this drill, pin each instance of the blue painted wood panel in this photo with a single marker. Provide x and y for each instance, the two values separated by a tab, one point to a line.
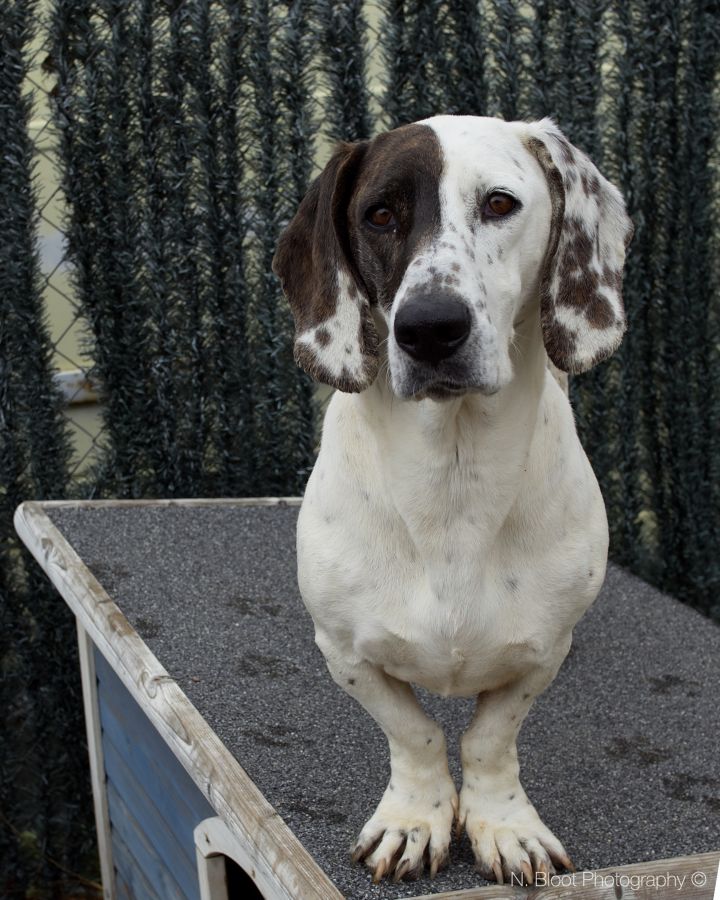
154	804
160	832
130	883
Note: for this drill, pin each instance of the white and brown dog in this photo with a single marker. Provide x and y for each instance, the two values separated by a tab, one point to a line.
452	531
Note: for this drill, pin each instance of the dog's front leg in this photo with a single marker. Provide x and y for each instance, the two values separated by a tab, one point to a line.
414	817
508	837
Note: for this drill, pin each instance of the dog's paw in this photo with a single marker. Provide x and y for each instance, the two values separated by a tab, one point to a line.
509	839
410	827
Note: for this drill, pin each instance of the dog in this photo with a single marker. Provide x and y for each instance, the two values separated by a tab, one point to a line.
452	531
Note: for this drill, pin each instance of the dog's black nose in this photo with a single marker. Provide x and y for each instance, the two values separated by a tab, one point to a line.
431	328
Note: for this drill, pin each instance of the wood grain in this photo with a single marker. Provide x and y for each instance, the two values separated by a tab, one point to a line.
93	730
686	878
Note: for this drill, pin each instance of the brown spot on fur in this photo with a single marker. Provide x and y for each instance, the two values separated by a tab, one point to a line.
599	313
560	342
611	278
322	336
566	149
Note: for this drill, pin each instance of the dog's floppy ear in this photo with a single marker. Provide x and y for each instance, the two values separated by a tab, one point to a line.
335	338
582	313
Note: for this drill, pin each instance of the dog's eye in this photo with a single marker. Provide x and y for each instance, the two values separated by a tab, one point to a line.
380	218
498	205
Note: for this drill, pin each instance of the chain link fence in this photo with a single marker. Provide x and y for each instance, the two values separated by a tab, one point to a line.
153	150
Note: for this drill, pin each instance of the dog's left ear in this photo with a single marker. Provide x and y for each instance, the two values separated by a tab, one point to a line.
582	313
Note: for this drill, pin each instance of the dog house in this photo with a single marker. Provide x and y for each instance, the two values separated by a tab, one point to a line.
226	763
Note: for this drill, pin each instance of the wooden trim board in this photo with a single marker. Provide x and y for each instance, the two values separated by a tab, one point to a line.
97	762
678	878
281	865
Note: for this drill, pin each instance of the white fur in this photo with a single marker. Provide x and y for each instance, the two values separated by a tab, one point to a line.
342	356
455	544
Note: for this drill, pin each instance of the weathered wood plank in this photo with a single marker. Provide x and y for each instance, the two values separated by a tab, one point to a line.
686	877
163	504
129	735
213	837
173	854
88	675
284	868
168	883
131	883
174	808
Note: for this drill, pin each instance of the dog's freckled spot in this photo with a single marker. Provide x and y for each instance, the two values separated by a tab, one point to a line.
322	336
511	797
512	584
351	681
590	573
490	260
436	804
455	267
348	348
526	696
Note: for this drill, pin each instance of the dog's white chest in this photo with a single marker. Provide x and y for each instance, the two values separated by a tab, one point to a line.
427	569
453	632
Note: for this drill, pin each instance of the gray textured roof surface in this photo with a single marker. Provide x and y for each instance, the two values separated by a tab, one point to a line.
619	755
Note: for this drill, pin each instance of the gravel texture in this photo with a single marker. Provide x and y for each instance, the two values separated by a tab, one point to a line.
619	755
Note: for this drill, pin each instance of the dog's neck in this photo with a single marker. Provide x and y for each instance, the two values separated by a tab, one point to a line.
517	401
462	458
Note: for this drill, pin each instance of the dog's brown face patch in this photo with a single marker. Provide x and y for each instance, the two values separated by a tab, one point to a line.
400	172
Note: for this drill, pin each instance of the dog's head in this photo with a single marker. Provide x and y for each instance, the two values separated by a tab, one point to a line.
444	234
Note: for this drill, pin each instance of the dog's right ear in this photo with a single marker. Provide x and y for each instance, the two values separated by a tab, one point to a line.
335	338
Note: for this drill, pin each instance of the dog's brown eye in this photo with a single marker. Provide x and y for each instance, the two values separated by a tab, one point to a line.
380	217
499	204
